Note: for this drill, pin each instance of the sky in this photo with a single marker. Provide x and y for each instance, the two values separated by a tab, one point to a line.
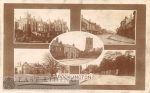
78	39
108	19
29	55
45	14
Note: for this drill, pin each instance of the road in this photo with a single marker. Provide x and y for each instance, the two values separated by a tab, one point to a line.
114	39
110	80
78	61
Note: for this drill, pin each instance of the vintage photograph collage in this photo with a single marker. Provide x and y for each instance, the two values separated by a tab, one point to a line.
74	46
68	48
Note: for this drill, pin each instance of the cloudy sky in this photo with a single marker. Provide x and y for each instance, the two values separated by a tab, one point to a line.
108	19
45	14
29	55
79	39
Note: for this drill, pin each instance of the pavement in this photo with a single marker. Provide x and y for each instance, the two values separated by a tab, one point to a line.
114	39
109	80
121	39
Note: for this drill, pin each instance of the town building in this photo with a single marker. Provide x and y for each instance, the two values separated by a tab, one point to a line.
26	68
63	51
36	68
30	68
127	26
18	69
91	27
66	51
57	49
70	51
30	28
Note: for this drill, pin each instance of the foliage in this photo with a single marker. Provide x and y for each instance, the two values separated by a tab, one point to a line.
51	64
122	64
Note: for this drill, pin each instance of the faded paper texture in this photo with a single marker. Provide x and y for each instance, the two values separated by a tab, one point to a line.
26	54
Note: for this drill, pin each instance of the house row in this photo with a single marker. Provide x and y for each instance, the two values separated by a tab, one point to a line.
63	51
36	68
91	27
127	26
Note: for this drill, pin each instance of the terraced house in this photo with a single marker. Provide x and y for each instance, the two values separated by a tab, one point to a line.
127	26
89	26
63	51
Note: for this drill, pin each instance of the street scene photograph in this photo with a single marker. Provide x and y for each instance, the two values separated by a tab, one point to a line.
40	25
114	27
33	67
76	48
117	67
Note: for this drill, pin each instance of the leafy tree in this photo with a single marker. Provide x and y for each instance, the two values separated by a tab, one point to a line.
125	64
90	69
63	68
51	65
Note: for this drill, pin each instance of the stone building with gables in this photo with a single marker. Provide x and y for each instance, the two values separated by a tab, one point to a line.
63	51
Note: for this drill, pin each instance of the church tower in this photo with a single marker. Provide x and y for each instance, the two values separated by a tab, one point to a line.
89	44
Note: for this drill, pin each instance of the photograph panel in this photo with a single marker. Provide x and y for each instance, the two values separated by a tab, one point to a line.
114	27
76	48
117	67
33	67
40	25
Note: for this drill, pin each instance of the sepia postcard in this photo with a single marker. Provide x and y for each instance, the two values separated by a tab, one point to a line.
74	46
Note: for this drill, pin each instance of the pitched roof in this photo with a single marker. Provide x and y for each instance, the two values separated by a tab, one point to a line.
55	43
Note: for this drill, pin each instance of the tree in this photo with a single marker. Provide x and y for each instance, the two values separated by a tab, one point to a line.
130	61
107	65
63	68
126	63
91	69
51	64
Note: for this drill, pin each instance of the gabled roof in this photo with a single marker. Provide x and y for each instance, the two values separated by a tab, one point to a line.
55	43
